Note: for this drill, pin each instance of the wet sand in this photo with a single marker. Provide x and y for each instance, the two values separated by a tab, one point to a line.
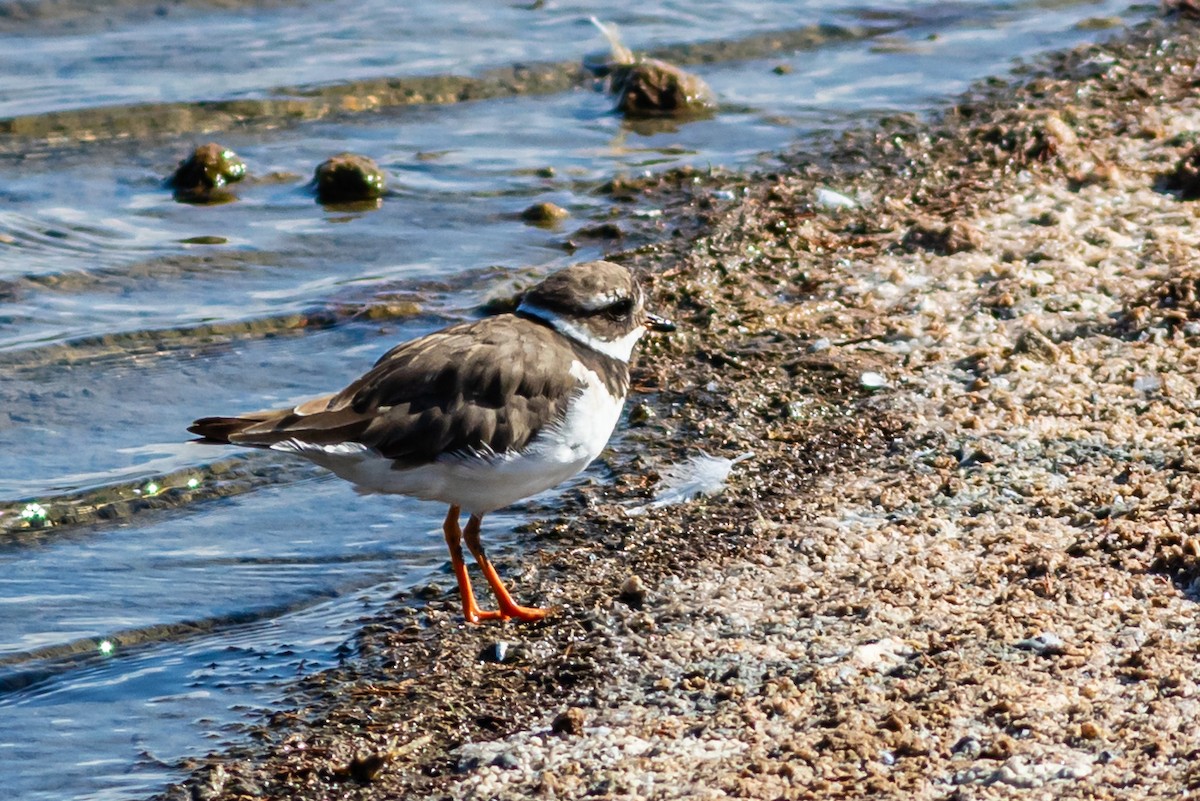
963	559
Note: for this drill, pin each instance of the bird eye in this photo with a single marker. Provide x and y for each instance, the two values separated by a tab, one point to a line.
621	308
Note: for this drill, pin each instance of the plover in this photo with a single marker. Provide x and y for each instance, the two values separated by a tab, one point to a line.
478	415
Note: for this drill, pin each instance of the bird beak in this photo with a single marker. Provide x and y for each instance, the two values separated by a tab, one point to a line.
656	323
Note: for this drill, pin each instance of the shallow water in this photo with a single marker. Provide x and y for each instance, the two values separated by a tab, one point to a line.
124	315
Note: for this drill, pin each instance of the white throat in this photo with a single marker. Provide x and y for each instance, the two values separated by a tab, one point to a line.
621	349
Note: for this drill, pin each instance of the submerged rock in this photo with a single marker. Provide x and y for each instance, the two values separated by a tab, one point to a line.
348	178
203	176
544	214
605	230
647	87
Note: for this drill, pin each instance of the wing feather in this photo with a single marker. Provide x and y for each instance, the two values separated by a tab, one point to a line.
439	393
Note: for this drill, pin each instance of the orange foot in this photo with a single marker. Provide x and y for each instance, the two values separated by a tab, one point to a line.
523	614
474	616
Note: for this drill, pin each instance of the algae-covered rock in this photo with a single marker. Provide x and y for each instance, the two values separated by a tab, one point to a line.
544	214
647	87
203	175
348	178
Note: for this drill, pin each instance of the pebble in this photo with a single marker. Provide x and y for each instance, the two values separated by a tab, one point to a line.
1147	383
818	345
967	747
1044	644
873	380
570	721
641	414
633	592
496	652
1017	772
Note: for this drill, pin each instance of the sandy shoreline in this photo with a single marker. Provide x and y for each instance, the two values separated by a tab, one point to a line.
977	580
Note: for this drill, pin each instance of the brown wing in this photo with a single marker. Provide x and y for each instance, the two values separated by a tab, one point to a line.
441	393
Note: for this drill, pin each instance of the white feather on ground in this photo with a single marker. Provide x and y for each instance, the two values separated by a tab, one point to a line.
701	475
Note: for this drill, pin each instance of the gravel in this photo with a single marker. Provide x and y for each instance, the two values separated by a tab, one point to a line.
964	558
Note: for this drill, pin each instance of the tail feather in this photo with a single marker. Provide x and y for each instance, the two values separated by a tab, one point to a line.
220	429
313	421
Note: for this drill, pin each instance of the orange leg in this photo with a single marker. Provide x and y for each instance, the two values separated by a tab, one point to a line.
508	607
454	536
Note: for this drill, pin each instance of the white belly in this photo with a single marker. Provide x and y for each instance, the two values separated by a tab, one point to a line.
482	484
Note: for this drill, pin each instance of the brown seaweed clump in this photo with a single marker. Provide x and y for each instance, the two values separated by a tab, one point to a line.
1172	303
1185	178
349	178
647	87
945	238
203	176
1020	141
